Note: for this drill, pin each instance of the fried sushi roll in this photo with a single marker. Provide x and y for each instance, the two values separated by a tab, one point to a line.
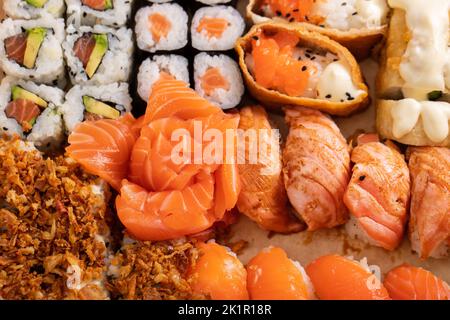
414	78
288	64
33	9
94	103
429	226
31	49
111	13
32	112
356	24
98	55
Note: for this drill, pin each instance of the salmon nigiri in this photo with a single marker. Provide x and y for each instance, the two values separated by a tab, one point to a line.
429	226
218	273
378	194
271	275
316	168
263	197
103	147
407	282
337	278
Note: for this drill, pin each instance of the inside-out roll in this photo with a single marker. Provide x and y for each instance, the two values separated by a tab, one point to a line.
357	24
33	9
218	79
414	78
151	68
31	111
216	28
31	49
95	102
289	64
98	55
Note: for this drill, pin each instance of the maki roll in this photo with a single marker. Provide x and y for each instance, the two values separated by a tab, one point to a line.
98	55
151	68
112	13
289	64
356	24
31	49
95	102
32	9
32	112
161	27
216	28
218	79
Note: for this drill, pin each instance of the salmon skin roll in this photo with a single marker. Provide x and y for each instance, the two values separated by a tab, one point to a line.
271	275
316	168
111	13
407	282
33	9
338	278
378	194
98	55
218	79
31	49
429	226
216	28
161	27
31	111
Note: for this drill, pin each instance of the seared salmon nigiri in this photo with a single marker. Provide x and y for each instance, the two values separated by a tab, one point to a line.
263	197
407	282
271	275
429	227
378	193
338	278
316	168
218	273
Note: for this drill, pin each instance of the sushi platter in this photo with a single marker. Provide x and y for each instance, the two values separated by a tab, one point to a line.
351	192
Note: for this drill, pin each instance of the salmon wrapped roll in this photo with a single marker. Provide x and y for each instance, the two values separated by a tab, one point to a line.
378	194
356	24
414	77
263	197
288	64
316	168
429	227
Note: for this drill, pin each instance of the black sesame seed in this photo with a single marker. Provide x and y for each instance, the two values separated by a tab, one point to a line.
295	10
348	94
288	15
308	55
5	128
342	100
335	60
291	20
313	58
304	68
255	38
278	13
308	50
361	178
354	13
328	96
322	25
350	98
306	18
343	3
84	14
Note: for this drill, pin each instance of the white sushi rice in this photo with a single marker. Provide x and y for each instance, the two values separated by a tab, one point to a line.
116	63
20	9
354	14
48	130
440	252
176	37
306	279
150	70
354	231
49	62
114	93
236	26
230	71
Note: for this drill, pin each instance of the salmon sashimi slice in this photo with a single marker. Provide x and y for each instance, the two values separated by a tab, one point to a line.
83	48
429	226
167	214
263	196
218	273
407	282
291	10
24	112
213	27
271	275
99	5
228	187
337	278
173	98
159	26
274	66
15	47
103	148
378	194
316	168
212	80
